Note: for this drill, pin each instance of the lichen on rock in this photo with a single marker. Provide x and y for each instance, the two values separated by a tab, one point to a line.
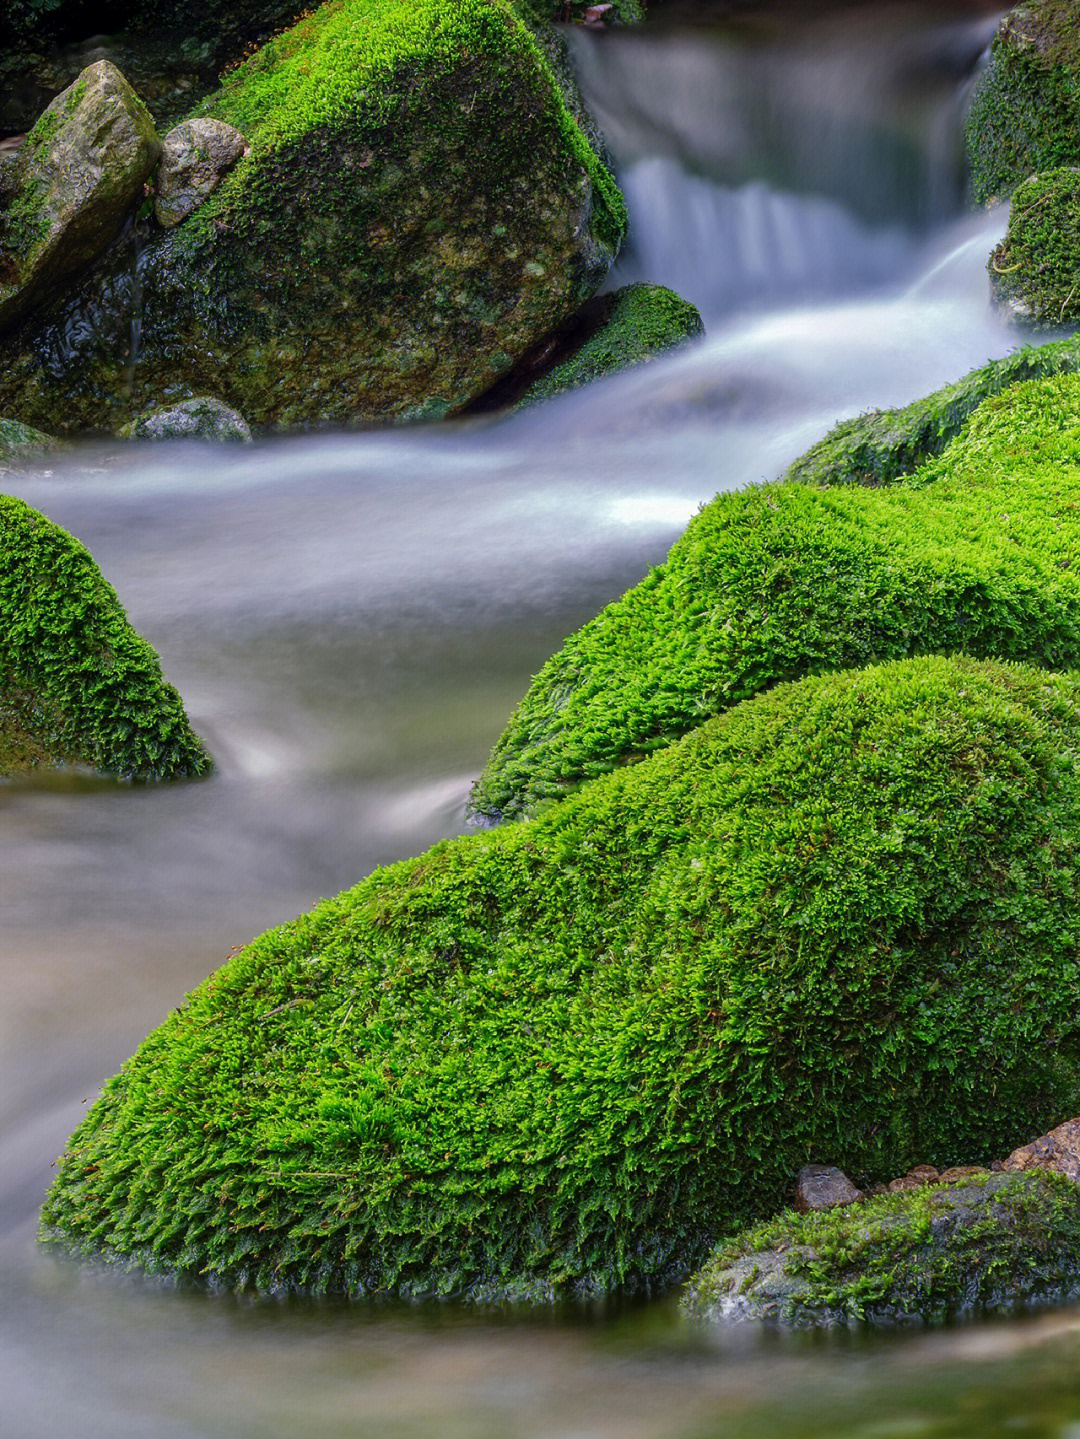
200	418
78	686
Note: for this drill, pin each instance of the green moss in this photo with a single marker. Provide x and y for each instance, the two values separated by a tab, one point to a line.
998	1242
76	681
641	322
567	1055
1025	113
1035	271
884	445
976	552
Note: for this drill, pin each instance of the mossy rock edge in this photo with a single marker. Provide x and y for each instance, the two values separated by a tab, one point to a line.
566	1056
1001	1243
78	686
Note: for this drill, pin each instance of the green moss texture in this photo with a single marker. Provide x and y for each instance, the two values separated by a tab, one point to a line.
566	1055
1025	113
418	207
975	552
77	684
994	1243
884	445
641	323
1035	271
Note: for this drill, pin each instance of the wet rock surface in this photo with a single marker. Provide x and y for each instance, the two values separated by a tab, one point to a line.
202	418
194	157
71	185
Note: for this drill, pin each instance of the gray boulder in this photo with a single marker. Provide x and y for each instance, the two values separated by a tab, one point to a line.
194	157
202	418
74	181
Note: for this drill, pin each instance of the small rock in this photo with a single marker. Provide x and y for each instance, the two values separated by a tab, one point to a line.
75	179
1058	1151
820	1186
906	1182
926	1172
195	156
961	1171
202	418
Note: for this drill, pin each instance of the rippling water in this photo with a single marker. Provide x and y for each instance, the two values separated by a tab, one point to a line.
350	620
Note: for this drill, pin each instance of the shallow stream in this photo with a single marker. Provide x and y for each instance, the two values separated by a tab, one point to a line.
350	620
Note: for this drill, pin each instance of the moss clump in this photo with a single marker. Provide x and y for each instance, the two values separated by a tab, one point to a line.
418	207
998	1242
1025	113
639	322
976	552
884	445
567	1055
1035	271
76	682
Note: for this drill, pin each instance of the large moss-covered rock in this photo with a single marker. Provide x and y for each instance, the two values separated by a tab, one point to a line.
568	1054
993	1243
884	445
1035	271
77	684
976	552
74	181
631	326
417	207
1025	113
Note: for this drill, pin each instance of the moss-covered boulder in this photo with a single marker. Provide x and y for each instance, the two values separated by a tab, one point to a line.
628	327
77	684
884	445
202	418
1025	112
73	183
996	1243
568	1055
1035	271
23	442
417	207
976	552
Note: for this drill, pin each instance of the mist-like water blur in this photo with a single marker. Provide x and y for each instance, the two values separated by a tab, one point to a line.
350	619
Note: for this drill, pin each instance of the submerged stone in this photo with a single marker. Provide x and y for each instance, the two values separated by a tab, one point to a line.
564	1056
74	181
78	686
201	418
418	207
194	157
995	1243
976	552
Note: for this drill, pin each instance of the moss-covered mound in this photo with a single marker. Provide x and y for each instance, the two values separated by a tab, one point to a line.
884	445
1035	271
571	1053
77	684
636	324
1000	1242
976	552
418	207
23	442
1025	113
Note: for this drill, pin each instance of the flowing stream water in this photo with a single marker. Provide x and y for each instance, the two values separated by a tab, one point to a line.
350	619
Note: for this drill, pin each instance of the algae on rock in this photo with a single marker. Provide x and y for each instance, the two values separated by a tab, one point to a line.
568	1055
976	552
417	208
995	1243
77	684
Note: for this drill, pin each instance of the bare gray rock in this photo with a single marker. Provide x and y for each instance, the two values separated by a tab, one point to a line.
202	418
820	1186
195	156
75	179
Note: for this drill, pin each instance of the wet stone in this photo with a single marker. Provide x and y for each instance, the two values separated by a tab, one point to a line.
820	1186
202	418
194	157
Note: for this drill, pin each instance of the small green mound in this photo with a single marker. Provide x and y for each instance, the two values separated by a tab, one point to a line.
1025	113
975	553
1000	1242
1035	271
77	684
567	1055
639	323
884	445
